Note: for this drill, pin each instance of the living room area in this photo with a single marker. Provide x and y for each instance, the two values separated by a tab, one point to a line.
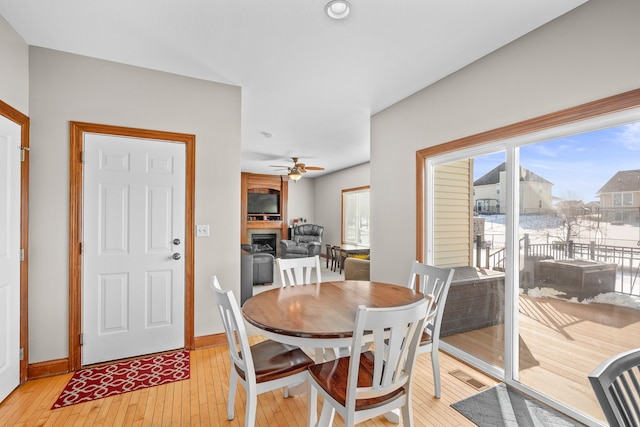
273	206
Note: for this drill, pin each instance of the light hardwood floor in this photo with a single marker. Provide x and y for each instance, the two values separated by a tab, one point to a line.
202	399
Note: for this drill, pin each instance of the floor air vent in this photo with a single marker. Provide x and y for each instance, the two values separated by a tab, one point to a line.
464	377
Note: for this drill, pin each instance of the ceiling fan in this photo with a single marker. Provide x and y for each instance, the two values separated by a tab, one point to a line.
296	171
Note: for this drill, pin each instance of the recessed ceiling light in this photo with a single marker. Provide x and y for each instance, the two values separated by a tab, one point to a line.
338	9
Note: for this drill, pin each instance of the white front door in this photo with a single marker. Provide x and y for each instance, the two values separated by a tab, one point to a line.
133	239
10	141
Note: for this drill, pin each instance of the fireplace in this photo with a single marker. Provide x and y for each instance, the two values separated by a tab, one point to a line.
259	232
264	242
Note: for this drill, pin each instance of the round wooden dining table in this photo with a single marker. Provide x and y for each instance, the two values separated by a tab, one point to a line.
320	315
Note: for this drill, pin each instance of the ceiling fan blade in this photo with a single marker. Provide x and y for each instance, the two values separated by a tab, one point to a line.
313	168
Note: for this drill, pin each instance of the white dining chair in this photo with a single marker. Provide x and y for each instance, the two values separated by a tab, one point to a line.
616	384
372	382
434	281
297	271
260	368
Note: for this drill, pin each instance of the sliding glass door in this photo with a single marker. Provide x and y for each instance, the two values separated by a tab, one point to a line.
580	295
543	231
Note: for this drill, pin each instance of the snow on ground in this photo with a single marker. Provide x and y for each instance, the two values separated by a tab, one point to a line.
542	229
617	299
607	298
546	229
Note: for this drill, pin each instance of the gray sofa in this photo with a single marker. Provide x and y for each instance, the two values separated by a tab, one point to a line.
306	242
256	268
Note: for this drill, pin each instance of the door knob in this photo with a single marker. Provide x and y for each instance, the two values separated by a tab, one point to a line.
176	256
176	241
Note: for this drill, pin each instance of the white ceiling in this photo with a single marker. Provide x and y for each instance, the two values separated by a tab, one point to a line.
311	82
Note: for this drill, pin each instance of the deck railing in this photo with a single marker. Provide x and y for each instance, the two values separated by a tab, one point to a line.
626	258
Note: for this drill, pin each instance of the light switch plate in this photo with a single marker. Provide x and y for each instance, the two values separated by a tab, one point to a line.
202	231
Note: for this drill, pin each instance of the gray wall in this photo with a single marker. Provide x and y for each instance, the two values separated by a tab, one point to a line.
14	68
66	87
588	54
301	200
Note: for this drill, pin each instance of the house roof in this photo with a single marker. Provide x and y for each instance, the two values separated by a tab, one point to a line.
493	176
622	181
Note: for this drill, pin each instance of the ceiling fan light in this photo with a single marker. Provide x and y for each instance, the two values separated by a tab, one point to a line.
338	9
295	175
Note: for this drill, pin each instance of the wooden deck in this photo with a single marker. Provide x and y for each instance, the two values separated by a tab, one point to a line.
560	344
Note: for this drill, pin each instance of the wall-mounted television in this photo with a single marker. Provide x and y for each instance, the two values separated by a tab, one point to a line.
262	203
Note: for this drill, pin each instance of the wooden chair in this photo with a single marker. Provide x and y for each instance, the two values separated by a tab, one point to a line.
297	271
329	255
260	368
616	383
369	383
433	281
336	258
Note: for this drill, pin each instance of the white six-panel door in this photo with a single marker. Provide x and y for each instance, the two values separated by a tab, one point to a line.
10	141
133	241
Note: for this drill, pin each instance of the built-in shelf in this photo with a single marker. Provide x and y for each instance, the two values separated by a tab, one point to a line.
256	183
262	217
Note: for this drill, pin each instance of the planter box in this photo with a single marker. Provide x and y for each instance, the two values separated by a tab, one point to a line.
577	278
475	301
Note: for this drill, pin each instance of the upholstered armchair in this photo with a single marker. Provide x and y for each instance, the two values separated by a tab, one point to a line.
261	266
306	242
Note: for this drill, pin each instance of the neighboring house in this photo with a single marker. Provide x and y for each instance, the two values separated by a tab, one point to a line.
489	192
573	208
620	198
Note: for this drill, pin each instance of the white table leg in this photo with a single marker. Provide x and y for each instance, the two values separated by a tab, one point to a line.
393	416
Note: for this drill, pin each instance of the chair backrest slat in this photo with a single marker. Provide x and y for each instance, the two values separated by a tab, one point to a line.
395	334
297	271
616	384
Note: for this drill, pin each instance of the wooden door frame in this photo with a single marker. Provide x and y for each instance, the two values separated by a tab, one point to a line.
76	132
23	121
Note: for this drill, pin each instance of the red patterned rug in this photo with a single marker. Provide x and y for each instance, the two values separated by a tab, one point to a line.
97	383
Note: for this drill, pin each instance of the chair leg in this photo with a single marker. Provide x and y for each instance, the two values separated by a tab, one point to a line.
393	416
233	384
435	364
312	405
252	406
407	419
326	417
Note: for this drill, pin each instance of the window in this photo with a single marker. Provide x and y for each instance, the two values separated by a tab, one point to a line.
622	199
355	216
